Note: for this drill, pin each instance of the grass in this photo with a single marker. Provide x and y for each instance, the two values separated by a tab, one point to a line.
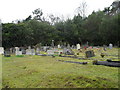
47	72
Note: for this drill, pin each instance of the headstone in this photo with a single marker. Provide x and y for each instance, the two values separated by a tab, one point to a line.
78	46
1	50
110	46
68	51
28	52
68	46
16	50
45	48
89	53
37	51
104	47
64	50
23	51
59	46
73	46
32	51
7	54
20	53
52	43
11	50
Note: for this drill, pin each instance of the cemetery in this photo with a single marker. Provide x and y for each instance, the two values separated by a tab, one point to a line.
60	44
79	67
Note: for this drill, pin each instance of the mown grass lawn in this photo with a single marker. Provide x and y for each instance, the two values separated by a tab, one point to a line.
47	72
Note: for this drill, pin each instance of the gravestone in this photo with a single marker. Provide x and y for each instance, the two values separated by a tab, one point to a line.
64	50
50	52
104	47
78	46
59	46
45	48
7	54
1	50
73	46
110	46
89	53
68	46
32	51
37	51
28	51
11	50
68	51
16	50
23	51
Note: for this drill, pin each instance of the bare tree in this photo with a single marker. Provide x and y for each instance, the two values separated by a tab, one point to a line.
82	9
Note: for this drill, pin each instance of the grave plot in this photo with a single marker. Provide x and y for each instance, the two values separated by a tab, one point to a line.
84	63
107	63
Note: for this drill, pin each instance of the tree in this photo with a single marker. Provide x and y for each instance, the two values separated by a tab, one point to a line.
82	9
38	13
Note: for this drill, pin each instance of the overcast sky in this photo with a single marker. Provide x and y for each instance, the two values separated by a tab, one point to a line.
20	9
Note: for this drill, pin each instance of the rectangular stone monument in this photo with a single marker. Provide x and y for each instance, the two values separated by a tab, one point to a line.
37	51
28	52
16	50
1	50
32	51
78	46
23	51
89	53
59	46
7	54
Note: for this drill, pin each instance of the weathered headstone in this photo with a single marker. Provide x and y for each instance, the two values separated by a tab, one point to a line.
16	50
28	51
78	46
110	46
68	46
37	51
104	47
11	50
1	50
23	51
90	53
68	51
59	46
32	51
7	54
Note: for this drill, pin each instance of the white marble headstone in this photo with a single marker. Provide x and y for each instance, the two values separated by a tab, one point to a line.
59	46
32	51
110	46
1	50
78	46
16	50
28	52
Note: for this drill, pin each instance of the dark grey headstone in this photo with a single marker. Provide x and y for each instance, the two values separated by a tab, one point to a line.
90	53
7	54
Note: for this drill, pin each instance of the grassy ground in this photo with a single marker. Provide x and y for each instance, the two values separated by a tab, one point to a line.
47	72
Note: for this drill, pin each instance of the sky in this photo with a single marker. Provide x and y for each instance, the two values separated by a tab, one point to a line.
11	10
